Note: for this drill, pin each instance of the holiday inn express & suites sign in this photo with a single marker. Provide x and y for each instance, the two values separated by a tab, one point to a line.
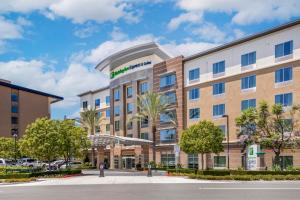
123	70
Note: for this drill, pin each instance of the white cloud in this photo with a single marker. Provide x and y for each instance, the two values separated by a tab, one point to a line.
23	21
245	11
190	17
78	11
187	48
117	34
109	47
86	31
75	79
210	32
24	6
9	29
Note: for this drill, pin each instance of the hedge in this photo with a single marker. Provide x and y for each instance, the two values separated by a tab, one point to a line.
246	177
230	172
39	174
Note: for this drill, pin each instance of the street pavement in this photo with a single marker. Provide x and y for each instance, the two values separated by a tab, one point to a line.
200	191
136	186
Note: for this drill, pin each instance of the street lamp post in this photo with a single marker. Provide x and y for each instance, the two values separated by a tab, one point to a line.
15	135
227	130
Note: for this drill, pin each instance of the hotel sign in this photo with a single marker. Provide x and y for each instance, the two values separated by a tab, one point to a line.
117	72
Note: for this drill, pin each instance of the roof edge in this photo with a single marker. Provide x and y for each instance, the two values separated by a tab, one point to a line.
245	39
93	91
17	87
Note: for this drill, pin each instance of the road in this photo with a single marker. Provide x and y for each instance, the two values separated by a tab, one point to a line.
188	191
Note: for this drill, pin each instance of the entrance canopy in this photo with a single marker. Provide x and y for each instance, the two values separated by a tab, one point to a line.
106	139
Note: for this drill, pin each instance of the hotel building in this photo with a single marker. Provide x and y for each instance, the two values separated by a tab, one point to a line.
20	106
214	85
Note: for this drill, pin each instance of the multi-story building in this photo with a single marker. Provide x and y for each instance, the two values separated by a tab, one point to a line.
20	106
214	85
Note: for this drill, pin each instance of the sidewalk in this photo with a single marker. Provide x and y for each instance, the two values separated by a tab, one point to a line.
95	180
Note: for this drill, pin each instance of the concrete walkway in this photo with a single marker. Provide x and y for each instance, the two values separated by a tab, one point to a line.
95	180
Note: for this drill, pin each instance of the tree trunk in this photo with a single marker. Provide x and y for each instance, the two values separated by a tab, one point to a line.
93	157
202	162
277	160
154	144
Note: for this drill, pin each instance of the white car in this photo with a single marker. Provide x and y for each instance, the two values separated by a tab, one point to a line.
5	162
72	164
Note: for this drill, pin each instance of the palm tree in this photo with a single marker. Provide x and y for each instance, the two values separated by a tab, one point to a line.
150	106
89	119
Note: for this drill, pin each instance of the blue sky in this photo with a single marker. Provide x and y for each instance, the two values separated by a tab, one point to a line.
54	45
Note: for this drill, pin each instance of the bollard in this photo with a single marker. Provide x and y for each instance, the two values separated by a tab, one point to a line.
149	171
101	168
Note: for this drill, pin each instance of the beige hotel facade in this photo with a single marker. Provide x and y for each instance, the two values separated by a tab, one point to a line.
215	85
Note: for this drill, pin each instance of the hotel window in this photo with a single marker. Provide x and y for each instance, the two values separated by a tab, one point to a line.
193	161
14	98
98	114
145	136
168	98
248	82
129	125
144	87
97	102
194	93
219	161
218	110
144	122
167	117
248	103
14	120
218	88
107	112
117	125
219	67
286	161
284	49
117	94
283	74
167	160
107	127
129	92
117	111
167	81
14	109
194	74
284	99
84	104
167	135
97	129
248	59
194	113
129	108
107	100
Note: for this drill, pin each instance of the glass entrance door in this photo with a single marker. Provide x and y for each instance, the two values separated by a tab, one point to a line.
128	162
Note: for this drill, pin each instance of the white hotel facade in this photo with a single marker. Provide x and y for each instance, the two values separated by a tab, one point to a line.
218	82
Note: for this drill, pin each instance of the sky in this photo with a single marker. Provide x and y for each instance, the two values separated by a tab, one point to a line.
54	45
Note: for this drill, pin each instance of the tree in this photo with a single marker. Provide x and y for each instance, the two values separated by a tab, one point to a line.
40	140
150	106
7	148
89	119
274	129
72	140
203	137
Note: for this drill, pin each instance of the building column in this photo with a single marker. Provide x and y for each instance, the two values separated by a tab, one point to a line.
112	156
100	156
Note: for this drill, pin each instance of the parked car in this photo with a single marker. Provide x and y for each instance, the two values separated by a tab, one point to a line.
72	164
30	162
6	162
55	165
